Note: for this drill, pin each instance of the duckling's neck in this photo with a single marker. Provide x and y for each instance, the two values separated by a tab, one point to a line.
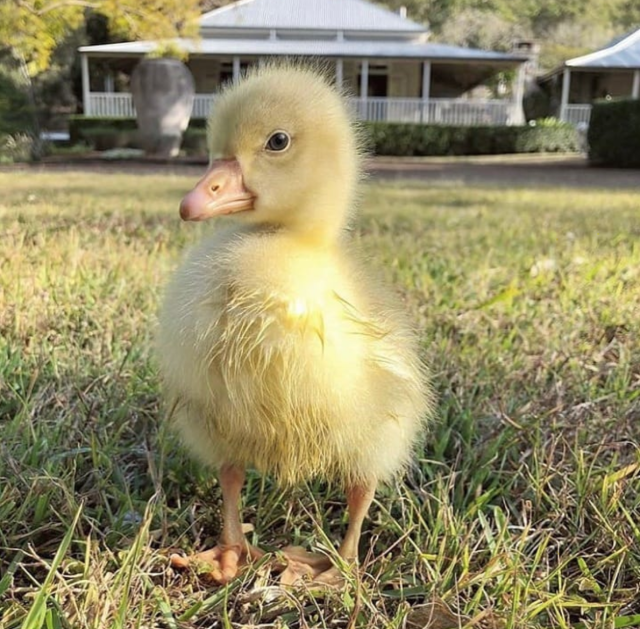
318	235
311	236
320	224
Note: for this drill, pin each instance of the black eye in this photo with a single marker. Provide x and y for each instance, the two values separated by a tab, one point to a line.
279	141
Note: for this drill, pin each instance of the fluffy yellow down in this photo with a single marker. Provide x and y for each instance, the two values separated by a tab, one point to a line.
277	347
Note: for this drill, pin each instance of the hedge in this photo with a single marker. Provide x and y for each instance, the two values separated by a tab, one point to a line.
381	138
106	138
386	138
614	133
81	126
194	141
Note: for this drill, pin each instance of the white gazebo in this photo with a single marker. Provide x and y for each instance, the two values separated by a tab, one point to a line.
613	71
383	59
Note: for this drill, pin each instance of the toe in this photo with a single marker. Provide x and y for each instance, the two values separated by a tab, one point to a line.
229	564
302	566
211	556
315	561
178	561
296	572
206	557
331	578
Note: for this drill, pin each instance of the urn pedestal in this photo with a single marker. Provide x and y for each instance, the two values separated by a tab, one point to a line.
163	92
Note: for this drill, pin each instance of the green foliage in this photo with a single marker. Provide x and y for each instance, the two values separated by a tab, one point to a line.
194	141
16	113
553	54
471	28
614	133
15	148
536	103
168	49
432	12
628	13
106	138
424	140
120	132
151	19
550	122
79	126
564	29
33	28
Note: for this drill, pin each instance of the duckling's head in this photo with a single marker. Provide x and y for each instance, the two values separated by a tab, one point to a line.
283	152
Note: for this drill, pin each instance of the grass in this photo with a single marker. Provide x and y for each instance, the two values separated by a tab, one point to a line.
522	510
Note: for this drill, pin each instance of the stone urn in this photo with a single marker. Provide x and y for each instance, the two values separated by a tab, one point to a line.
163	91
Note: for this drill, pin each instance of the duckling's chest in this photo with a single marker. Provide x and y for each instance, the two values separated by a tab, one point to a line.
281	354
284	301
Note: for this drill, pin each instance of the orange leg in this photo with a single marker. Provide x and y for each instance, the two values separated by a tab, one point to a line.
233	551
318	568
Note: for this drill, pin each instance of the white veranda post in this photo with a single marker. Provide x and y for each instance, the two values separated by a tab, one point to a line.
426	90
517	109
635	90
364	87
339	73
564	100
86	85
236	69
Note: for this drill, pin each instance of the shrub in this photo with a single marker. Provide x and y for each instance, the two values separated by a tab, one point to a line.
388	138
614	133
107	138
16	113
194	141
381	138
78	126
16	148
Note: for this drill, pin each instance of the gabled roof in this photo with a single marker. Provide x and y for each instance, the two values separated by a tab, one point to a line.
334	15
299	48
621	53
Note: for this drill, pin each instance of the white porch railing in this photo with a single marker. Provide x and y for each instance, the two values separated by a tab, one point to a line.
452	111
576	114
110	105
120	105
202	104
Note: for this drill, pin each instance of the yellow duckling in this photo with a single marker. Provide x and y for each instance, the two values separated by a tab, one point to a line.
279	351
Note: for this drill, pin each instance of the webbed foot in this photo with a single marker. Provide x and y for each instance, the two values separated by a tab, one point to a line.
309	568
220	564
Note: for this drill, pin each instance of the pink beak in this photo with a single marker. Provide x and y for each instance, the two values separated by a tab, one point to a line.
220	191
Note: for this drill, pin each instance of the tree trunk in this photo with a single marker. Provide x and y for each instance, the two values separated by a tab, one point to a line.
37	146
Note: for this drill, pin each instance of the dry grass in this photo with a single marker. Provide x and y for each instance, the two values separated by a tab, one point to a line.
522	510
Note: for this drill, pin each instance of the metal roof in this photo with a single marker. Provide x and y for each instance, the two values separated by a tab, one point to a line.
623	53
345	15
310	48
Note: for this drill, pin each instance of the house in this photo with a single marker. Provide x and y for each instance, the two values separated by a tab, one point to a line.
384	59
613	71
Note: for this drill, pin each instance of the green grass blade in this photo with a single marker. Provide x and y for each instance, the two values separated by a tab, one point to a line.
38	612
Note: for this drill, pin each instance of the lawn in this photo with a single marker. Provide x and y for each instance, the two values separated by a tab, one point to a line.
523	507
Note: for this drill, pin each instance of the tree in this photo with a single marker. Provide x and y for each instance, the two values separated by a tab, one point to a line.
151	19
478	29
628	14
431	13
15	109
32	29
